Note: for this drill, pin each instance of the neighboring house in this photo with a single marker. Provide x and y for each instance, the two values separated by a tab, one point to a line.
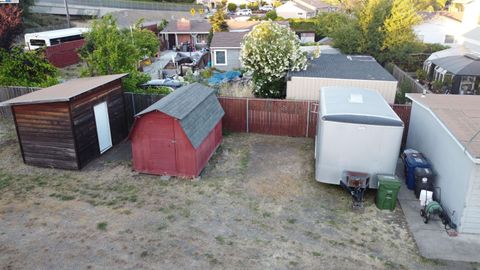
303	9
461	65
225	50
445	128
438	28
306	36
184	31
215	3
360	71
471	13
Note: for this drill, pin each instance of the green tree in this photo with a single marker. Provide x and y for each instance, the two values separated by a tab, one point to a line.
232	7
348	37
218	20
326	23
30	68
268	52
398	26
109	50
271	15
371	18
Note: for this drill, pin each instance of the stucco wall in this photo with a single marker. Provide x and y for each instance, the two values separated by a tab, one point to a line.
233	59
452	167
307	88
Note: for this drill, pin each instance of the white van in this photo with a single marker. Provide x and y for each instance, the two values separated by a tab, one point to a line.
37	40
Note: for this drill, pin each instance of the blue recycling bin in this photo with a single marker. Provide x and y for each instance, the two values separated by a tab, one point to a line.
412	161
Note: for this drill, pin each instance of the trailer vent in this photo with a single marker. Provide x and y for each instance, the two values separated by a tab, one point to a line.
367	58
355	98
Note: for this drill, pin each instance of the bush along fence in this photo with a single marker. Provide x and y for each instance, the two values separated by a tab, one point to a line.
405	79
265	116
9	92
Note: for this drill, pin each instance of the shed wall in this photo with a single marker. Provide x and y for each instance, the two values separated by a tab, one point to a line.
307	88
452	167
45	135
84	119
471	219
233	59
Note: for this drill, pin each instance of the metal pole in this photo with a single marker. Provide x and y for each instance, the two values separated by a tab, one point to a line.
247	116
308	117
67	13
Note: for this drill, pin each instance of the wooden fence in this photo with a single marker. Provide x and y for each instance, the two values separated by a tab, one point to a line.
265	116
403	77
64	54
9	92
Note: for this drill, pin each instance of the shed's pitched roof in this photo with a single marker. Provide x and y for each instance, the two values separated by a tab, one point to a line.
466	65
227	39
356	105
194	26
197	108
64	91
459	113
340	66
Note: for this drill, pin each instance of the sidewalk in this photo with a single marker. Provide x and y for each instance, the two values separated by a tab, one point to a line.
432	240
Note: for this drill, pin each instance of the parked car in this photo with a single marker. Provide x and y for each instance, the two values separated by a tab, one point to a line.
266	8
244	12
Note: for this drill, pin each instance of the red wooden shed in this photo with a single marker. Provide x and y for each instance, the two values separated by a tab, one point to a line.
178	134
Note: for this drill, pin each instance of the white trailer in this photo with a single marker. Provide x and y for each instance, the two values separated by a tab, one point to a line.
357	131
38	40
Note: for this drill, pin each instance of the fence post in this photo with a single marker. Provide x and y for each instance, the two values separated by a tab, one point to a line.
247	115
308	117
133	104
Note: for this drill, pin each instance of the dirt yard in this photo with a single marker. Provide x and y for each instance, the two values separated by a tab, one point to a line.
256	206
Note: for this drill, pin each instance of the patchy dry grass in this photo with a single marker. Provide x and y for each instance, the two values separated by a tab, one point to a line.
256	206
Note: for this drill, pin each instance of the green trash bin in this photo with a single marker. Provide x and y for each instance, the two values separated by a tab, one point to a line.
388	187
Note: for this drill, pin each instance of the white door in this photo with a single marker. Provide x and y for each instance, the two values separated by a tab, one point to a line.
102	122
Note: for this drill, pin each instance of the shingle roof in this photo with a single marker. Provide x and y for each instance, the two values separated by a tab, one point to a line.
64	91
340	66
197	108
195	26
227	39
466	65
459	113
315	3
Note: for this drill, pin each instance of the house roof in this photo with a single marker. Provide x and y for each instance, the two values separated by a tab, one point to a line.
356	105
64	91
188	26
197	108
236	25
290	5
473	34
340	66
313	3
460	114
466	65
227	39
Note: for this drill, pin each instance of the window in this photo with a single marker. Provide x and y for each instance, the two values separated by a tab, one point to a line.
202	38
65	39
221	58
449	39
37	42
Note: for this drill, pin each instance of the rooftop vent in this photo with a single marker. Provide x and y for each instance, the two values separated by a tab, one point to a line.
360	58
355	98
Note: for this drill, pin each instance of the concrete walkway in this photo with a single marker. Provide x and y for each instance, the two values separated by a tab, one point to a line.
432	240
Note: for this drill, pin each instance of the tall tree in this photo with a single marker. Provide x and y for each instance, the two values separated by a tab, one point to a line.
109	50
268	52
218	20
398	26
10	24
371	19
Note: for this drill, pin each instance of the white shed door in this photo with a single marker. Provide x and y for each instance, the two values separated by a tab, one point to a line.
102	122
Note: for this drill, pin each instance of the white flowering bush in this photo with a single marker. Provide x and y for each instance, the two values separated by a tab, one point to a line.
268	52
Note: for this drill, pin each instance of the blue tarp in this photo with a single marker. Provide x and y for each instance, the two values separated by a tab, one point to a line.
218	78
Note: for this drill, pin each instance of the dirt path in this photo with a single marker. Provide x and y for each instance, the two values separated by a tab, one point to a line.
256	206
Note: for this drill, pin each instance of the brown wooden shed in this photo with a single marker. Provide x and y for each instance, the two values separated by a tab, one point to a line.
67	125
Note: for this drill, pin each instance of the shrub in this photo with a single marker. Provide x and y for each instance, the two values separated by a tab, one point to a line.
232	7
253	6
421	74
271	15
206	73
404	88
437	85
242	6
162	90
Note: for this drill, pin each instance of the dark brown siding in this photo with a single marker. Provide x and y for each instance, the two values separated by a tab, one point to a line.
84	119
45	135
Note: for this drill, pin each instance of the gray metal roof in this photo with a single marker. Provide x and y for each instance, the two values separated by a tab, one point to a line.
340	66
227	39
356	105
64	91
197	108
466	65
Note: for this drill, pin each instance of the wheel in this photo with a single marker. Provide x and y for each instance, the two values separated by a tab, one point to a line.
422	212
425	218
